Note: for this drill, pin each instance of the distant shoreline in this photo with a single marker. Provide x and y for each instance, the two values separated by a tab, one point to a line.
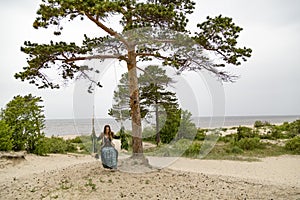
252	116
84	126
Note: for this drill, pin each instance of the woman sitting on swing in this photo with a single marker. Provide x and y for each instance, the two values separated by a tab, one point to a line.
109	155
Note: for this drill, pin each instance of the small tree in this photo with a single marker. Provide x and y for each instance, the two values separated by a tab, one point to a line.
153	95
187	128
25	118
171	123
5	137
124	141
121	108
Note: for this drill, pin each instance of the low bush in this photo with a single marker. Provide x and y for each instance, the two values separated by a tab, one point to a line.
227	138
41	147
249	143
181	146
82	147
245	132
193	150
290	129
56	145
234	149
206	147
124	137
175	148
277	134
258	124
76	140
71	147
266	136
149	134
201	134
213	135
284	127
293	145
294	128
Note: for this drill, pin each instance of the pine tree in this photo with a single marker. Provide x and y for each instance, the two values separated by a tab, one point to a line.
154	97
150	29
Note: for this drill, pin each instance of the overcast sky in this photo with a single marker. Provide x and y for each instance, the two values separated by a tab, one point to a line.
268	83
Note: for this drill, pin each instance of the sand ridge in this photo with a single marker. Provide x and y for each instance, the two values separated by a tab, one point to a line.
83	177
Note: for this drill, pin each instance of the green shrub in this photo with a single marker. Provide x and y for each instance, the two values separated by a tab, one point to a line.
176	148
170	128
258	124
245	132
6	143
181	145
124	139
266	136
284	127
295	127
249	143
56	145
149	134
291	129
234	149
206	147
187	128
71	147
76	140
227	138
201	134
293	145
82	147
41	147
212	136
276	134
193	150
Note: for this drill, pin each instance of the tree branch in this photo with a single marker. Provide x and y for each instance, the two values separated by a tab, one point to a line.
106	29
151	54
95	57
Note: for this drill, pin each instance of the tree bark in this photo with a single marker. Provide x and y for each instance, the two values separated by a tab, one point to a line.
137	144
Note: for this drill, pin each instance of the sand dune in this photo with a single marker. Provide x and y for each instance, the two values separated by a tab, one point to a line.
83	177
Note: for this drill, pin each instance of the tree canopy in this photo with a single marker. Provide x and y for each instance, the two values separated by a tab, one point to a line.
217	34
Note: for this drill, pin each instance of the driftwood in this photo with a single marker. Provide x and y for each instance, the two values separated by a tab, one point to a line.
12	155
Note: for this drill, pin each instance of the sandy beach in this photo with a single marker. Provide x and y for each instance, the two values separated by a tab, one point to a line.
73	176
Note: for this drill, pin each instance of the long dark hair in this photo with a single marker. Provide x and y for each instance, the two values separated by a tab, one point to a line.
110	133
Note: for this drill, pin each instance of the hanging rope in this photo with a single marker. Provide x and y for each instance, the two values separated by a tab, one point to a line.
120	110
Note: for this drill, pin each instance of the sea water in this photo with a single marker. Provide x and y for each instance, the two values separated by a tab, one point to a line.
59	127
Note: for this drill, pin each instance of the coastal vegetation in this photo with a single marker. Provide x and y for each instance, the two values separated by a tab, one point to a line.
22	122
236	143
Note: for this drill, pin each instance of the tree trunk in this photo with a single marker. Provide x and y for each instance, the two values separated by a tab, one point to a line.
137	145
